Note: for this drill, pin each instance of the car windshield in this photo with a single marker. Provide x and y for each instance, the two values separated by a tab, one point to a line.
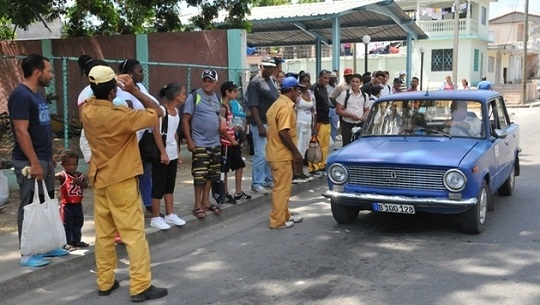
434	118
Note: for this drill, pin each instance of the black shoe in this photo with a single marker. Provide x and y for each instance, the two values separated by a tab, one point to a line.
230	199
104	293
151	293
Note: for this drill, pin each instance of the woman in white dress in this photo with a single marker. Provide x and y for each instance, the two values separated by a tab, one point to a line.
305	116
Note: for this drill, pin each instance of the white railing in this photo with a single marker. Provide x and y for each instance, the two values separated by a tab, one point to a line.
439	28
533	46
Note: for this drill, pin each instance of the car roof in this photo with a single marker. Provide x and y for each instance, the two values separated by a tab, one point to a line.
475	95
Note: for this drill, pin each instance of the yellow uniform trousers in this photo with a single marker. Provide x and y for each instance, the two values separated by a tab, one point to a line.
118	208
282	176
323	136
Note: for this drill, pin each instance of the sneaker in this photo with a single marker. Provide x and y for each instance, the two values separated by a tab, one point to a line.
269	185
295	218
230	199
173	219
258	189
299	179
316	174
308	178
104	293
286	225
159	223
241	196
33	261
151	293
56	253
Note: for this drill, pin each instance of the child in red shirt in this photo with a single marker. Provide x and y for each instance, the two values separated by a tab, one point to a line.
72	184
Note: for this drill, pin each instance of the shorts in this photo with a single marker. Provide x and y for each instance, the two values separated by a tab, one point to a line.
206	164
234	159
163	178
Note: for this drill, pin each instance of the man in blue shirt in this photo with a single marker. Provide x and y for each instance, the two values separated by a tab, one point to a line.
31	125
484	84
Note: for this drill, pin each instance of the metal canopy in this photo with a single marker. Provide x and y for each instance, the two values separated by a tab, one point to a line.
301	24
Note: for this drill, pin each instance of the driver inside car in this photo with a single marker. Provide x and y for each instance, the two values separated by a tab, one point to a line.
464	123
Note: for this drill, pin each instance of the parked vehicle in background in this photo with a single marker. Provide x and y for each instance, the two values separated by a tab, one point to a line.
444	152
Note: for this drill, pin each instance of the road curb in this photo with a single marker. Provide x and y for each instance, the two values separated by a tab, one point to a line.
33	278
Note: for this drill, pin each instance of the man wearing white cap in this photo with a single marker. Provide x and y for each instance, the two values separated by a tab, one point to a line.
114	167
261	94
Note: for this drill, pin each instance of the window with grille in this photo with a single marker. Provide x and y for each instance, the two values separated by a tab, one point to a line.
442	59
476	59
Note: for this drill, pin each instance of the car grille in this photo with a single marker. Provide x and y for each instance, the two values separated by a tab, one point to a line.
396	177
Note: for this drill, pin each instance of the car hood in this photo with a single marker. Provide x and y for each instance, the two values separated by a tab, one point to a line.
411	150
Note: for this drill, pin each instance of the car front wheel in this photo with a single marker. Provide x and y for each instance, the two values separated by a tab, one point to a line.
474	220
344	214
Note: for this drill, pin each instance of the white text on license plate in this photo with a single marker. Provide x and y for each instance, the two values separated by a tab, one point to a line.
393	208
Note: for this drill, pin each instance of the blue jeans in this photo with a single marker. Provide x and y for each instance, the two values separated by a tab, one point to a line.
334	119
145	184
260	173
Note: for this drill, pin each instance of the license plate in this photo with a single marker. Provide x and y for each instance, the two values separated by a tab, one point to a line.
393	208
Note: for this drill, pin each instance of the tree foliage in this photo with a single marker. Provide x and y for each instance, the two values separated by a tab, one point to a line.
109	17
270	2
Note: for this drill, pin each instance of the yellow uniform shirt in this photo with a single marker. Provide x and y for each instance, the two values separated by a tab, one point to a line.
111	133
281	116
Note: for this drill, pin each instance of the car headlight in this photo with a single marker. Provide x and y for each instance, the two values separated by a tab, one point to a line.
454	180
337	173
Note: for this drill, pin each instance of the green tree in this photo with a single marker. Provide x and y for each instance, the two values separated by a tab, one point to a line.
108	17
270	2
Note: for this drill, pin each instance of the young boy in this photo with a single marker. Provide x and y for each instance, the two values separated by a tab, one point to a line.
71	192
234	162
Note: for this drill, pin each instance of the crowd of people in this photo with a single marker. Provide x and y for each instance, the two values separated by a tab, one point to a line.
284	113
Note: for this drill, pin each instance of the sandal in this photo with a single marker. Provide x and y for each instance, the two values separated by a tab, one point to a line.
199	213
69	247
81	244
214	209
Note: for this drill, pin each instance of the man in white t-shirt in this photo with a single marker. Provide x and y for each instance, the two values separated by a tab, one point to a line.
353	107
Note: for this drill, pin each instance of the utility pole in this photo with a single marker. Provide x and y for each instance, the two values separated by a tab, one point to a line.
524	66
456	42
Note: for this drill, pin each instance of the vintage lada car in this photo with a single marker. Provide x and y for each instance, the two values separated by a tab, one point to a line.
444	152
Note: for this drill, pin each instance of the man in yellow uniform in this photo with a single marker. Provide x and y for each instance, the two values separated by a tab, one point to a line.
282	154
114	167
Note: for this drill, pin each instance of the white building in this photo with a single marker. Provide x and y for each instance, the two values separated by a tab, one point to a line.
505	53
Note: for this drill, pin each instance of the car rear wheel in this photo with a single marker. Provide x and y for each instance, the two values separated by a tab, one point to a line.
474	220
508	186
344	214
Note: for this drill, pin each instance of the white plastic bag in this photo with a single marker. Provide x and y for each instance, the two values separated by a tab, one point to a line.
42	229
4	189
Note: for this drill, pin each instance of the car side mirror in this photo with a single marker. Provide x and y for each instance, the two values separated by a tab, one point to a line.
500	133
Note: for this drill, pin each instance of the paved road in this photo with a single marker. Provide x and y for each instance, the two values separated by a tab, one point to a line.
381	259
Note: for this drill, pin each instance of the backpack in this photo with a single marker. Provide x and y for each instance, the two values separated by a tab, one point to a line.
347	96
197	99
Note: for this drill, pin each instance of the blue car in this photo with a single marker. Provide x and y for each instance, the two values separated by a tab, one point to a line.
444	152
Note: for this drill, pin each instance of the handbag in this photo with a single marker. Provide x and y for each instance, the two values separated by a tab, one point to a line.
42	228
314	151
147	145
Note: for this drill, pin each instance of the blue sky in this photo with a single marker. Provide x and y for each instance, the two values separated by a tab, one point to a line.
502	7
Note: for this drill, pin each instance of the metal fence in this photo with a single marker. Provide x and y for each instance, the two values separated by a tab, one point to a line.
68	82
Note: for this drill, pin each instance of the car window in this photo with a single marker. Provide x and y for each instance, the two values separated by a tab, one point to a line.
497	114
442	118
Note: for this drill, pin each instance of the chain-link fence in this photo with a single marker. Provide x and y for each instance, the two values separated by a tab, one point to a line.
68	82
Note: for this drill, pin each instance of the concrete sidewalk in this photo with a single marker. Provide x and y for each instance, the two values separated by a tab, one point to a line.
15	278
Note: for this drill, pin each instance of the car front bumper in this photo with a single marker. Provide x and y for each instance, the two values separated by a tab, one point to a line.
350	198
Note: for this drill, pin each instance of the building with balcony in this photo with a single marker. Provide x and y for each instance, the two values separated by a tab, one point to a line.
505	50
438	19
